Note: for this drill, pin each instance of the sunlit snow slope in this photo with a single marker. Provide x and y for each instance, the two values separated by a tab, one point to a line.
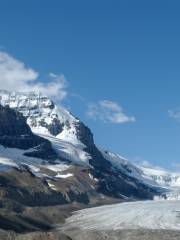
150	176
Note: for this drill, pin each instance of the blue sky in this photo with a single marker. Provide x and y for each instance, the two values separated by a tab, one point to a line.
124	54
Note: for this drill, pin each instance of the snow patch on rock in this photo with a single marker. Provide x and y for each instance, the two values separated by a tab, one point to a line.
67	175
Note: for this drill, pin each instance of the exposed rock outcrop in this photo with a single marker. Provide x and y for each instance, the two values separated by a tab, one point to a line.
15	133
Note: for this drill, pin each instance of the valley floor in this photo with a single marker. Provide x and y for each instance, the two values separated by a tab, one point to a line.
95	235
130	215
145	220
124	235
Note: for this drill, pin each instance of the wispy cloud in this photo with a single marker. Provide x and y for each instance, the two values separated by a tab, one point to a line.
146	164
108	111
56	87
174	114
15	76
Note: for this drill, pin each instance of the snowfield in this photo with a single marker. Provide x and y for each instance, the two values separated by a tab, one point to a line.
132	215
14	158
71	151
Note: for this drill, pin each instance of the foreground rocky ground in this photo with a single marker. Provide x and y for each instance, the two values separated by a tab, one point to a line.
125	235
95	235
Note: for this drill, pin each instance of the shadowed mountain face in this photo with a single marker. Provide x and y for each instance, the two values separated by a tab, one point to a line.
15	133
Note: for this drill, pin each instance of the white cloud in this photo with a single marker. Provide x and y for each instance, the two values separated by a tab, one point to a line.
55	88
174	114
146	164
108	111
15	76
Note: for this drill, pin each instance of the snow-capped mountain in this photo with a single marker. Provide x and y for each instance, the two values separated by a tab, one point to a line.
74	143
45	118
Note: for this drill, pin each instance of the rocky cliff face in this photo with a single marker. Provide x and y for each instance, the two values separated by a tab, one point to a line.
15	133
43	116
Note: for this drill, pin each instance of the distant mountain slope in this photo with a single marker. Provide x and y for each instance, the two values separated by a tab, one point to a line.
150	176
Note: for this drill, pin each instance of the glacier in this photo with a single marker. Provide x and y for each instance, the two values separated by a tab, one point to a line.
130	215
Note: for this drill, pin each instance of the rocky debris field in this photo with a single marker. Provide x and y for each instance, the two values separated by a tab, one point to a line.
95	235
